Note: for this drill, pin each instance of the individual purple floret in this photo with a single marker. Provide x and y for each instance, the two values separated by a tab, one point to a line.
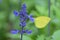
28	31
14	31
31	18
24	6
16	13
23	24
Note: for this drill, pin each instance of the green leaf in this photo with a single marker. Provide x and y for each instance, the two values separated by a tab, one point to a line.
56	35
26	38
48	38
41	37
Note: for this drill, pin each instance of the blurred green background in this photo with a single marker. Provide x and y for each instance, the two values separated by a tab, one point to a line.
36	7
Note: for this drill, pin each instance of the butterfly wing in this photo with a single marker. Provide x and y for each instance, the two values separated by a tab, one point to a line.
41	21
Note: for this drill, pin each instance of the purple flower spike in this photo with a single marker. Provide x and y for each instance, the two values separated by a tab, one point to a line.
16	13
31	18
23	16
14	31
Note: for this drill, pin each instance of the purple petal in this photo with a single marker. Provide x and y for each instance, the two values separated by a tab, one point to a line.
31	18
23	31
16	13
24	6
29	32
14	31
23	24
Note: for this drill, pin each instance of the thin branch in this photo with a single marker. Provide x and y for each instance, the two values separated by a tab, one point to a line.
48	16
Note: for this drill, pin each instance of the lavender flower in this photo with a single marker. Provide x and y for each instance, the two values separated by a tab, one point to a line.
14	31
16	13
22	24
23	17
31	18
26	31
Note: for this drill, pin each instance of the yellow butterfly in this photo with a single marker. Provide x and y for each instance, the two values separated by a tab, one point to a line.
41	21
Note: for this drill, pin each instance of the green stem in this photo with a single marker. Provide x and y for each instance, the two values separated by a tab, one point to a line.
48	16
